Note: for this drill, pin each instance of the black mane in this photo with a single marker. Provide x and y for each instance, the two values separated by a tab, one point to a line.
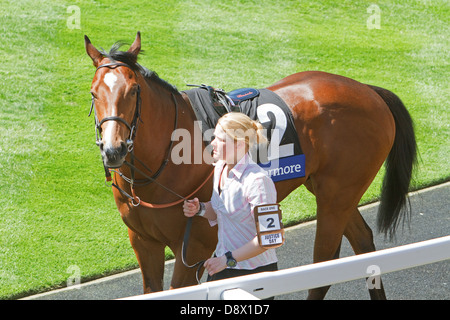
115	55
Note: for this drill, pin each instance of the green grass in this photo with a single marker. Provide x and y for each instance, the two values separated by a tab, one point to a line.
56	211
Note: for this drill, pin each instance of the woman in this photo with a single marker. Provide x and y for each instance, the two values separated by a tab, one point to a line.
239	185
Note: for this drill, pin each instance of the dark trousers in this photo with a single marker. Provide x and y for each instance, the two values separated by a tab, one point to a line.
231	273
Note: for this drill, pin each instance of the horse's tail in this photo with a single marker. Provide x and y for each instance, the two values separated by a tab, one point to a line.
400	164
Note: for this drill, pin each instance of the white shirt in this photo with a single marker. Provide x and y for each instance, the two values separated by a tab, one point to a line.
246	186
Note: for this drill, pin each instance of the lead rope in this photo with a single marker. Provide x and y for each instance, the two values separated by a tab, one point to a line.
199	264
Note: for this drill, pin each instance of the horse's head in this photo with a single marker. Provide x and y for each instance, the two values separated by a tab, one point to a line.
116	98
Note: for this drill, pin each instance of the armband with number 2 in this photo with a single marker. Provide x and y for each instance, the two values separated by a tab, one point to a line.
269	227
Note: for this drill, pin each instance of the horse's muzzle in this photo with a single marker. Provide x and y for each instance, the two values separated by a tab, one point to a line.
113	157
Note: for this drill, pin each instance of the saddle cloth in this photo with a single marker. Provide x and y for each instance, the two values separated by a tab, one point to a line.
282	158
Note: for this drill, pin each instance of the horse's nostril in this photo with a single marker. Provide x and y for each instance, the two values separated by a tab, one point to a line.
111	153
100	145
123	149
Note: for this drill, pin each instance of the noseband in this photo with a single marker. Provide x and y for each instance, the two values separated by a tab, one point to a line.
137	113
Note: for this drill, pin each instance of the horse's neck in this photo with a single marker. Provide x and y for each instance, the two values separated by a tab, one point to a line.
163	112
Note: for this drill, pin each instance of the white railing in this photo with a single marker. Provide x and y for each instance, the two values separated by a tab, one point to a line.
267	284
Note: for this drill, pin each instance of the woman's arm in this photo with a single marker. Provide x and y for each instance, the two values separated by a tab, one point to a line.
249	250
191	207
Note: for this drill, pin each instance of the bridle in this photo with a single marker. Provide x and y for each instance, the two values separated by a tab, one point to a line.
137	113
135	200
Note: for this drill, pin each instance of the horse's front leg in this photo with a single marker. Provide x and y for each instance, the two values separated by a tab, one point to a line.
201	245
151	257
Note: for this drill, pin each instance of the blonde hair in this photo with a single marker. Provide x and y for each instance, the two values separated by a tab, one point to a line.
240	127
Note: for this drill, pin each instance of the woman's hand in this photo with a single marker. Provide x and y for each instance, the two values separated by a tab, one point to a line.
215	265
191	207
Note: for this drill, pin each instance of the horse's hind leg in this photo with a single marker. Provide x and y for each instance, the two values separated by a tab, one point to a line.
338	215
326	246
333	213
360	237
319	293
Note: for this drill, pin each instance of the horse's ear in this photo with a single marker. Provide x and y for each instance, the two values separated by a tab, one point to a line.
136	46
92	52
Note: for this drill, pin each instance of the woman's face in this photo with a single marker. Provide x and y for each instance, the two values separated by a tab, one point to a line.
225	148
219	144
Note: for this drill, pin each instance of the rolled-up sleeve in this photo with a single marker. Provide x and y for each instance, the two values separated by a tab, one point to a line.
260	190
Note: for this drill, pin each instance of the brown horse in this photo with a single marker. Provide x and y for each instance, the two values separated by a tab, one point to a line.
346	129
